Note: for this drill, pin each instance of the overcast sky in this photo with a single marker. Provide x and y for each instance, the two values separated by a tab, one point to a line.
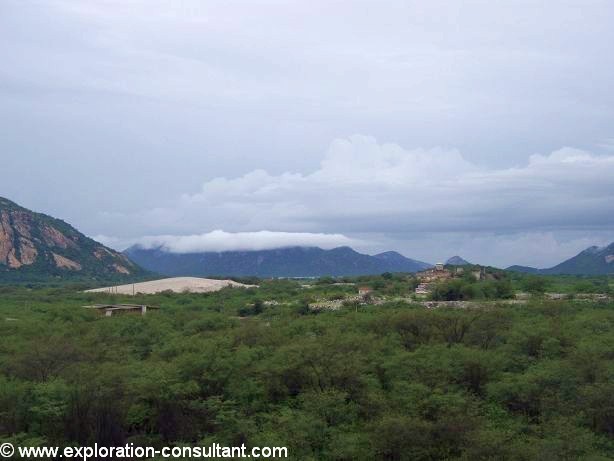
479	128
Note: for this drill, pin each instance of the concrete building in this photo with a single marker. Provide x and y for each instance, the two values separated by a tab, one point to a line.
114	309
422	289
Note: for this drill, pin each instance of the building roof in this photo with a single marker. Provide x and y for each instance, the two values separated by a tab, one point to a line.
120	306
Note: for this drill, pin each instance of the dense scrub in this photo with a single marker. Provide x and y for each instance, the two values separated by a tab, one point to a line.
500	284
386	382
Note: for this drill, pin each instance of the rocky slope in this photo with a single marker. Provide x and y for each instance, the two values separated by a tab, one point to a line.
34	246
592	261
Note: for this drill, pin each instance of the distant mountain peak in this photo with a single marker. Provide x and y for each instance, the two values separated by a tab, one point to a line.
592	261
457	261
390	255
4	201
342	249
594	249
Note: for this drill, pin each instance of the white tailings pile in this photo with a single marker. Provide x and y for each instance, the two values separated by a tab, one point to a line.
175	284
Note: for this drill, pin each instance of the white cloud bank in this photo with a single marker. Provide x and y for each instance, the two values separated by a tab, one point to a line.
219	240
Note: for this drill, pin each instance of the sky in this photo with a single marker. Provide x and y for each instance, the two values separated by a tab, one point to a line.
478	128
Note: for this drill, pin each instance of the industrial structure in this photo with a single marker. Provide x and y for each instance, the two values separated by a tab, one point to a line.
114	309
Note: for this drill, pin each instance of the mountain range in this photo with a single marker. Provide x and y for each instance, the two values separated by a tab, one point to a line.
38	247
592	261
34	246
282	262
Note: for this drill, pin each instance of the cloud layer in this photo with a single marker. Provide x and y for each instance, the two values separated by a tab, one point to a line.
385	196
363	186
132	104
135	102
219	240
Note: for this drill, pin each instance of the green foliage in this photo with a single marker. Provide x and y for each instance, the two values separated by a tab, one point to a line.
253	309
384	382
468	288
535	285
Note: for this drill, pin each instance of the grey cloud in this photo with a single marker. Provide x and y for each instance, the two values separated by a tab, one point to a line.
129	105
366	188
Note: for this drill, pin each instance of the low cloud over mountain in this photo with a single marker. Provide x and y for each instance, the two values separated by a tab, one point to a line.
219	240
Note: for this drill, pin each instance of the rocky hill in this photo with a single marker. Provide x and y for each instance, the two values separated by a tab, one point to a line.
592	261
283	262
398	263
34	246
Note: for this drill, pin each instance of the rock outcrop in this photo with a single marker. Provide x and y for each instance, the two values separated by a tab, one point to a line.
34	244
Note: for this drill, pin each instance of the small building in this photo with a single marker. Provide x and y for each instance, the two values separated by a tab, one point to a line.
364	291
479	274
439	267
422	289
114	309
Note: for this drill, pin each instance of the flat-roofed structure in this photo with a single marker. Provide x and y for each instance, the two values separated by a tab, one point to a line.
111	309
422	289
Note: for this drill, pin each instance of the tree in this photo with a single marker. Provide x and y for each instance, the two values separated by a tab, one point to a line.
535	285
